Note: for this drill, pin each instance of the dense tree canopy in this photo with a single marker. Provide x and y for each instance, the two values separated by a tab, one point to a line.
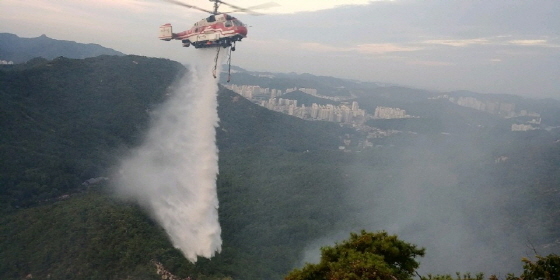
544	268
364	256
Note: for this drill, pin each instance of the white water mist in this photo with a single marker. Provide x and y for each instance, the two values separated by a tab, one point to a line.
173	173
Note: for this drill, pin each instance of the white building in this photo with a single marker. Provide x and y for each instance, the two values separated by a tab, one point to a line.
522	127
389	113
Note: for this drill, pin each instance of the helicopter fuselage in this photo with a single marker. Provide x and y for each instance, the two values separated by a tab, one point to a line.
215	30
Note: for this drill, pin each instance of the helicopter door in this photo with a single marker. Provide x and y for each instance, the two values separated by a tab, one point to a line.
208	37
201	37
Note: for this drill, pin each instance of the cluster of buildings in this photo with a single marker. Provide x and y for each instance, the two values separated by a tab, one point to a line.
4	62
506	110
252	92
503	109
390	113
533	124
255	92
522	127
350	112
347	112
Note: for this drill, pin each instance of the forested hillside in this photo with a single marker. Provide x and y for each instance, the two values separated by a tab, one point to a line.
472	197
66	121
63	120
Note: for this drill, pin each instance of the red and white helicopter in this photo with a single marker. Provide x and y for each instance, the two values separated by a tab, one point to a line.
217	30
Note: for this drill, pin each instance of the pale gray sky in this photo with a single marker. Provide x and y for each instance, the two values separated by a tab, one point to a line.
493	46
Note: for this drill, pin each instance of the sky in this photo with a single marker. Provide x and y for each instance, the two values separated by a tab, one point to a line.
493	46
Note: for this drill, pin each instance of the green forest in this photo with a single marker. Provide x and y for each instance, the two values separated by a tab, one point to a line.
283	183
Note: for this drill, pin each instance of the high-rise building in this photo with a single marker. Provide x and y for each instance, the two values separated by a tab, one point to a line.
355	106
331	113
291	109
314	111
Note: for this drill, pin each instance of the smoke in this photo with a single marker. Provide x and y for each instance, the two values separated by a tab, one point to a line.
432	196
426	203
173	173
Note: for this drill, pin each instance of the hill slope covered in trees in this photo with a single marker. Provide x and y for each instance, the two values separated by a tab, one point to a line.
283	183
65	121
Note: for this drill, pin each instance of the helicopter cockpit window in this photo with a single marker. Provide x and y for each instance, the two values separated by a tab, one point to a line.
237	23
228	23
211	18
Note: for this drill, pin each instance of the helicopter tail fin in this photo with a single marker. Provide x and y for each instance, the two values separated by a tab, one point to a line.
166	32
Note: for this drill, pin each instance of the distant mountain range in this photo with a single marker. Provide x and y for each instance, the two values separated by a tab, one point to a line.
19	50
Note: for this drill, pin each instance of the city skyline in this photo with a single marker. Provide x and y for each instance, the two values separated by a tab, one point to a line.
350	113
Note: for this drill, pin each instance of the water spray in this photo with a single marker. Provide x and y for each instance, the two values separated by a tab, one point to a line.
173	173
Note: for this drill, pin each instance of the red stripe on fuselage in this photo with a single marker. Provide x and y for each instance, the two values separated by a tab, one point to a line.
209	29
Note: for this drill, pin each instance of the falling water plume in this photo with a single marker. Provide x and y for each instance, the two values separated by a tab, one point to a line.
173	173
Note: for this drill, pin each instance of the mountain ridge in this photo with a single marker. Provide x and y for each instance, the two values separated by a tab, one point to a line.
19	50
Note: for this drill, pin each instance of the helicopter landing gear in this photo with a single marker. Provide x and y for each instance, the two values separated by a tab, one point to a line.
224	43
227	43
231	48
216	62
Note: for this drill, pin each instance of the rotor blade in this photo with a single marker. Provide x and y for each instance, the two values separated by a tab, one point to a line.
249	10
237	8
245	11
266	5
188	6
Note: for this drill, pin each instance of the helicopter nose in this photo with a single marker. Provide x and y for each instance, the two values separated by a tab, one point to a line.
242	30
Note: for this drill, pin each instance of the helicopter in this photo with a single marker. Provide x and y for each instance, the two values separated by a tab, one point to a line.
219	30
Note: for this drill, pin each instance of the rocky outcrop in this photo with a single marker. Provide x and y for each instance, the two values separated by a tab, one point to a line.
165	274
